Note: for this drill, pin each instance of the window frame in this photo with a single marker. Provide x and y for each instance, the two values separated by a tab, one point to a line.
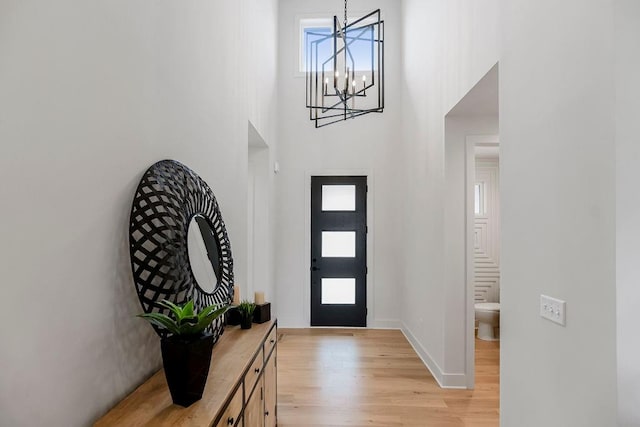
314	21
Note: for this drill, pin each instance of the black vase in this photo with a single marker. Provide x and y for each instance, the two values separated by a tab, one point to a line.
186	365
233	316
246	321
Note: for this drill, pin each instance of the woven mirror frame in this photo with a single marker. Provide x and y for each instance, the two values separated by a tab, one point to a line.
168	197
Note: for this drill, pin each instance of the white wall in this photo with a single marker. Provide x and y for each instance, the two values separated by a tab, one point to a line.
368	144
448	48
558	212
627	26
91	94
260	225
486	257
260	77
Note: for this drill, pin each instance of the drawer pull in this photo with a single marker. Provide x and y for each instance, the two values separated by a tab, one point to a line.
267	413
257	370
272	341
230	421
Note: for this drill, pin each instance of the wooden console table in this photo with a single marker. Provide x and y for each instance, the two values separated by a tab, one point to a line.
240	392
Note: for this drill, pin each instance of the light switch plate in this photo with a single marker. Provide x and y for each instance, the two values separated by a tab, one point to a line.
553	309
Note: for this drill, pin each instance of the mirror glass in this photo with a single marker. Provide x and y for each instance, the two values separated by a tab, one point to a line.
204	253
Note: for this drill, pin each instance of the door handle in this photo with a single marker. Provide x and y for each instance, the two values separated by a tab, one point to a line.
314	269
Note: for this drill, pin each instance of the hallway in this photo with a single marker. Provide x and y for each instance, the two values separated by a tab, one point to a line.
348	377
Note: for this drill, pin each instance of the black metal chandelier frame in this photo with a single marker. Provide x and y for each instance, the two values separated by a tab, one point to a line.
332	103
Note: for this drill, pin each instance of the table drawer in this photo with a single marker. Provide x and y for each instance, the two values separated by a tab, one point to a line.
253	373
232	412
271	341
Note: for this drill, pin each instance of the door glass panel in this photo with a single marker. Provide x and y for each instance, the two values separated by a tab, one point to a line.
338	197
338	291
338	244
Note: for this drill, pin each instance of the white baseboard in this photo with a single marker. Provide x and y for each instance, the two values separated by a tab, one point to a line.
385	324
291	325
445	380
454	380
376	324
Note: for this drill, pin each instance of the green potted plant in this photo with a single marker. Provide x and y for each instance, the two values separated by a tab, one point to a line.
186	352
246	309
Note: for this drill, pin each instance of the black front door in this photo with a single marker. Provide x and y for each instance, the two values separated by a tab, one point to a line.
339	251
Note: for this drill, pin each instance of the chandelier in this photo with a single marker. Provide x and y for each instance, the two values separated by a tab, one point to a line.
345	69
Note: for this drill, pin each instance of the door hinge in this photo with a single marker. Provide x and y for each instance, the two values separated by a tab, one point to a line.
366	229
366	269
366	311
366	188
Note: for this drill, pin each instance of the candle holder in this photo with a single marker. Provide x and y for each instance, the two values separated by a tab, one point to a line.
262	313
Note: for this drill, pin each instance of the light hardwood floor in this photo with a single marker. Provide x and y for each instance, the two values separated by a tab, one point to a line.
365	377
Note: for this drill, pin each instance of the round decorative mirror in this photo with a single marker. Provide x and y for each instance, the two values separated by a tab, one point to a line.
204	254
178	242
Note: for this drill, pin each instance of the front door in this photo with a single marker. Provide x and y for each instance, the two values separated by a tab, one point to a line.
339	251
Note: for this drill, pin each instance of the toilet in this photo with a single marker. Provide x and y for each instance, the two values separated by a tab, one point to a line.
488	317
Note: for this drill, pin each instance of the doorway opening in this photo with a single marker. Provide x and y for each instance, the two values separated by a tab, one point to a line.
472	240
483	251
